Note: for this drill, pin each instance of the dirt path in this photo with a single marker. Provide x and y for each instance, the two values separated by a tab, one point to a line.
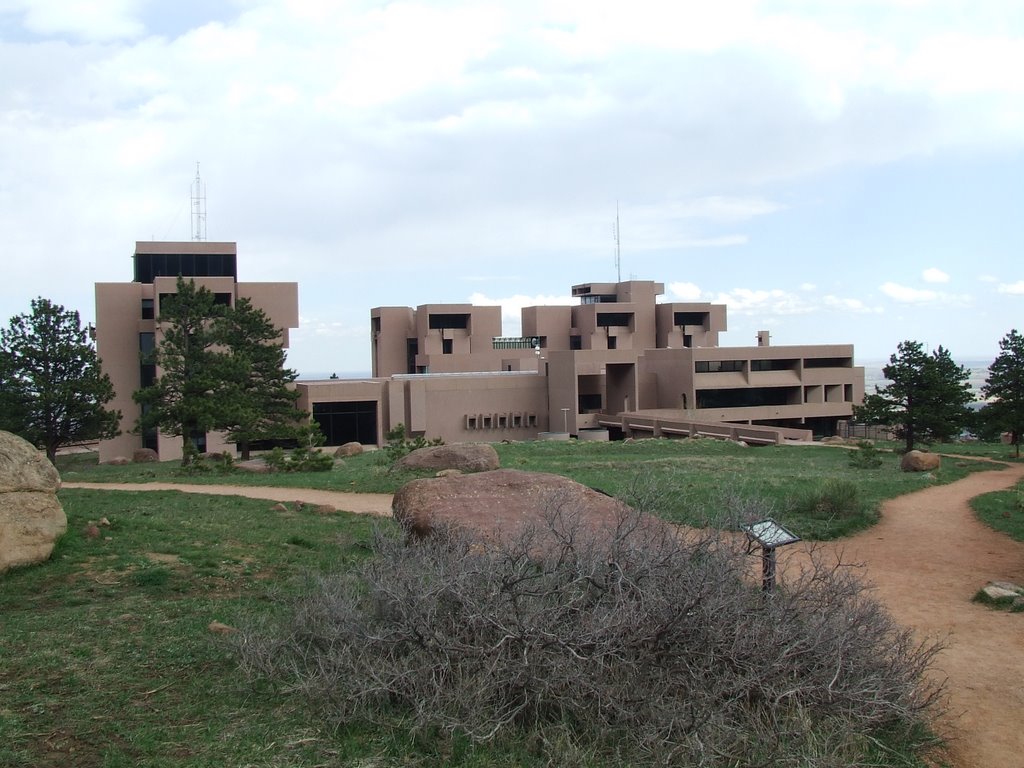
360	503
926	559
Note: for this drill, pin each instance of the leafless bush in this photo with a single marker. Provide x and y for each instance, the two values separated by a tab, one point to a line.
638	645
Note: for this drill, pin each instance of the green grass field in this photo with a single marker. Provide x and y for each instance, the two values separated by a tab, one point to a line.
105	655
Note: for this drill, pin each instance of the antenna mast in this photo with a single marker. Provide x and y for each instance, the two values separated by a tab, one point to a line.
198	208
618	253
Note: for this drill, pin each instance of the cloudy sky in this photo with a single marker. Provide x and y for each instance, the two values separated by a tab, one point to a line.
834	171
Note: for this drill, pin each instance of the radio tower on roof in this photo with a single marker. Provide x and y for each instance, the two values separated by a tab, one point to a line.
198	208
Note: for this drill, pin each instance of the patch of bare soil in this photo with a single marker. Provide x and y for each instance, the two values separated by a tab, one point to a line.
926	558
359	503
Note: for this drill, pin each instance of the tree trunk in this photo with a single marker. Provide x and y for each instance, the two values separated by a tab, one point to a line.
243	450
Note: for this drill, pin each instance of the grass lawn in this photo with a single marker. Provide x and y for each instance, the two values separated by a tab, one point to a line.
1003	511
695	481
105	656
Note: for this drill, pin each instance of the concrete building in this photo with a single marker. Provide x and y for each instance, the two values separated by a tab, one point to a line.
618	362
128	326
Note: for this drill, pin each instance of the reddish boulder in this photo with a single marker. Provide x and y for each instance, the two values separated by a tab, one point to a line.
31	517
144	456
469	457
505	502
348	449
919	461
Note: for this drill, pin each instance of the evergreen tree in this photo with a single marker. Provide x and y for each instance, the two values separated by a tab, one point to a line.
262	404
221	368
52	389
189	397
926	399
1005	387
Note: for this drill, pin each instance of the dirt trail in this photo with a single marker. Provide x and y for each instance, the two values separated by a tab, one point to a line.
360	503
926	559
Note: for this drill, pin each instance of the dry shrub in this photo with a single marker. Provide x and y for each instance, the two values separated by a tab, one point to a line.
639	645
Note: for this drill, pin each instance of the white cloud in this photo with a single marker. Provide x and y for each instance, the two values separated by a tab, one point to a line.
808	287
98	20
933	275
684	292
512	306
746	301
849	305
1015	289
988	279
907	295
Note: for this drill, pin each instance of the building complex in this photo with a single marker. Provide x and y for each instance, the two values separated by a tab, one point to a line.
617	363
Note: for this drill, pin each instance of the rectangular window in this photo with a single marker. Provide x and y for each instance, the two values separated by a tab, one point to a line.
576	342
773	365
223	299
147	309
517	420
689	318
147	343
439	321
487	422
446	346
613	342
718	366
471	422
503	422
614	319
531	420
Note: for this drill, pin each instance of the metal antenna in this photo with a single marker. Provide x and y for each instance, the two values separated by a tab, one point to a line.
198	207
618	243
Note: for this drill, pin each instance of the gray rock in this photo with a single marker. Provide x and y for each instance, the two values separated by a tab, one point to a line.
31	517
998	593
145	456
348	449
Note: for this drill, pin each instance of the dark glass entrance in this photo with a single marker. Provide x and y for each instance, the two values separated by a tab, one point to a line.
347	422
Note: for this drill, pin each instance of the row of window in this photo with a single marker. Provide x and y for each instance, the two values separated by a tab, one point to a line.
501	420
760	366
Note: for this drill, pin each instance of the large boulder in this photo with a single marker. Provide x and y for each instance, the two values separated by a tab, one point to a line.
145	456
505	502
919	461
348	449
31	517
469	457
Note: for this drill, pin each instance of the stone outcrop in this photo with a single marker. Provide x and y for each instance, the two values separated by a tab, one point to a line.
348	449
919	461
502	503
469	457
31	517
144	456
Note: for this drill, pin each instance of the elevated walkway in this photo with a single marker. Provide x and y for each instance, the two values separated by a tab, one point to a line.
666	422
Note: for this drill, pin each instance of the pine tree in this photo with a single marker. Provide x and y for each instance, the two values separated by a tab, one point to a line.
262	404
926	399
190	396
52	388
1005	387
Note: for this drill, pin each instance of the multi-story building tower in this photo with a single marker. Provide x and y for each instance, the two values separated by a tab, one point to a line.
128	326
617	361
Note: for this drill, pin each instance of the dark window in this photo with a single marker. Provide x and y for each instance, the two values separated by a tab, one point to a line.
613	342
747	397
198	441
614	319
575	342
412	348
828	362
222	298
689	318
438	321
152	265
687	340
147	343
147	309
347	422
718	366
590	403
446	346
147	375
773	365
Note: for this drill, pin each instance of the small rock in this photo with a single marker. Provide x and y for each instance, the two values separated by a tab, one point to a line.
91	532
104	522
279	507
998	593
1017	588
349	449
220	628
118	461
